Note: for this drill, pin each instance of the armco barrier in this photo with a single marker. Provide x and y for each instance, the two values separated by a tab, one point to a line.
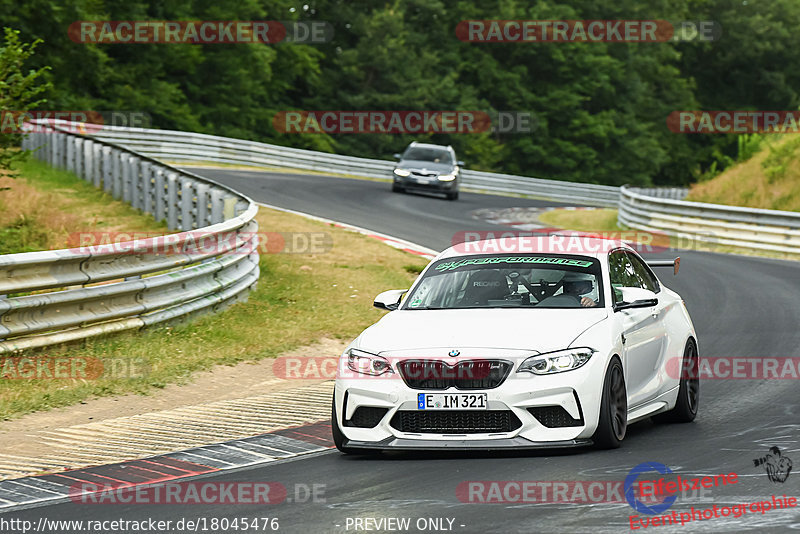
771	230
657	209
63	295
188	147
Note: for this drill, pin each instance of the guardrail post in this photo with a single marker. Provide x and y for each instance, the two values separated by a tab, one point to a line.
70	163
52	148
108	169
125	163
116	173
229	210
172	201
217	205
149	187
202	205
130	185
159	194
78	156
88	160
187	204
57	150
97	166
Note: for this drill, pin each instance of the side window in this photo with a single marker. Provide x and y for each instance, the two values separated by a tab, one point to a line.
643	273
621	273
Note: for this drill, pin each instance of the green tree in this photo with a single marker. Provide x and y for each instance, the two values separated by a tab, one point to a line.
20	91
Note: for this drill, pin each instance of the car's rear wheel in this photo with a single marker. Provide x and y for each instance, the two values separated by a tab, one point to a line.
397	188
613	409
685	409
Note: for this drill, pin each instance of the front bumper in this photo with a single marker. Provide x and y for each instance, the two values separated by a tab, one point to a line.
577	392
410	182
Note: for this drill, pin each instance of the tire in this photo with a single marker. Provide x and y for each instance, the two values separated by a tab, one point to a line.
613	409
397	189
685	409
452	196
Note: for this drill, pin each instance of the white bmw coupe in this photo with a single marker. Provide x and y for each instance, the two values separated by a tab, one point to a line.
506	344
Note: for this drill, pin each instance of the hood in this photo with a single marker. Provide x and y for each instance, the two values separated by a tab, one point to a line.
415	165
520	329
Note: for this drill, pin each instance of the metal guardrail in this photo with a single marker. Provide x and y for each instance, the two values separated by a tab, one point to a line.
761	229
657	209
186	147
55	296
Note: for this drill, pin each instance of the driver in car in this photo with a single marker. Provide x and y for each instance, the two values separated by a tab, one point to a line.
579	285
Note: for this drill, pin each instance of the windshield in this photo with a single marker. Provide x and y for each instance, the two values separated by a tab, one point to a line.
521	281
435	155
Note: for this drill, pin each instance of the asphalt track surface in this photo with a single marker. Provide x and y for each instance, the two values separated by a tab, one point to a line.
747	307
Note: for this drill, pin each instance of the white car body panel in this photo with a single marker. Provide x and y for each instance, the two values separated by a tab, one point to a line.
644	339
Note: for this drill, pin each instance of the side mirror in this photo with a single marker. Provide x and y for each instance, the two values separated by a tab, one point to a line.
635	297
398	156
389	300
460	163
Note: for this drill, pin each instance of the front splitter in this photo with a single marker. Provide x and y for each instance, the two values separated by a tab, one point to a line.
465	444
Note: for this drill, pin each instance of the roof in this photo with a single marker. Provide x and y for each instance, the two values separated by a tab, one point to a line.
430	145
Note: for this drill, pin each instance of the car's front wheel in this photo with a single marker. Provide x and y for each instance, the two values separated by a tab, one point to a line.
685	409
452	196
397	188
613	409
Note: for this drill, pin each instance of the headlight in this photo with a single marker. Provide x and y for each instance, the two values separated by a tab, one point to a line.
366	363
447	177
402	172
556	362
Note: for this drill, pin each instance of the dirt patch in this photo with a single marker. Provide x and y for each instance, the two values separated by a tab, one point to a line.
222	383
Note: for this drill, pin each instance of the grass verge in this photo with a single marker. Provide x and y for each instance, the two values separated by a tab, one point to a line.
299	299
42	206
770	179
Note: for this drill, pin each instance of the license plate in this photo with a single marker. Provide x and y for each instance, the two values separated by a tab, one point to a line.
451	401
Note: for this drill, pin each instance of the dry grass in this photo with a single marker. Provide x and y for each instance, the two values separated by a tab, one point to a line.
770	179
41	207
300	298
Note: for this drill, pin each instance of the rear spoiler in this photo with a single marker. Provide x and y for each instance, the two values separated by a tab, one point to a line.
675	264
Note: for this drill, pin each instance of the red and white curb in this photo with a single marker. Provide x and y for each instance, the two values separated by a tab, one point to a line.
274	446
